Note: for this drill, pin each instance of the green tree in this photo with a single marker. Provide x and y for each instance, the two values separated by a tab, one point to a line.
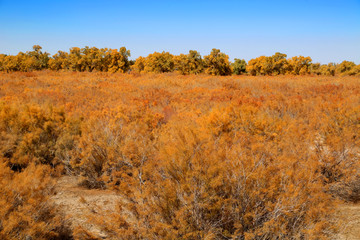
239	66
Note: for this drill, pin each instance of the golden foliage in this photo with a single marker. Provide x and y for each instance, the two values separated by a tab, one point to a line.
194	157
26	211
32	134
216	63
191	63
159	62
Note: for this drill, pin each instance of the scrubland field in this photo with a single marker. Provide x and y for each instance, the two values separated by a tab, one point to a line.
166	156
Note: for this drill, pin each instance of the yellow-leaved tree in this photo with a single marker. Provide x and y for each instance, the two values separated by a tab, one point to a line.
190	63
159	62
217	63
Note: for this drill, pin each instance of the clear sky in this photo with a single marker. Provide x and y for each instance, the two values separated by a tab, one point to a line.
328	31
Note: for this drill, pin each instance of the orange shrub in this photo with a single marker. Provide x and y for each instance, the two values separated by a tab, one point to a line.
26	210
193	156
32	134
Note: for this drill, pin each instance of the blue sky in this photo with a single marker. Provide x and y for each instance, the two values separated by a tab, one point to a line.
328	31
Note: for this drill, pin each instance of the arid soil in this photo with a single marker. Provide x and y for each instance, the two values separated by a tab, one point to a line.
349	219
78	203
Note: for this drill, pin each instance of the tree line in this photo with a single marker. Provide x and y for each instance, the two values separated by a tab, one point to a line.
216	63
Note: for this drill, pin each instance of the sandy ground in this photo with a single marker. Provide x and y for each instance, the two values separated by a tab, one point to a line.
78	203
349	217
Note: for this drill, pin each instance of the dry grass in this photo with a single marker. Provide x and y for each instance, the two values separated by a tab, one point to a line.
83	92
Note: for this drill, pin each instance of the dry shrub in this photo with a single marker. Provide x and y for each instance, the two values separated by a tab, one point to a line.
114	143
27	212
348	191
234	174
337	151
194	156
30	133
